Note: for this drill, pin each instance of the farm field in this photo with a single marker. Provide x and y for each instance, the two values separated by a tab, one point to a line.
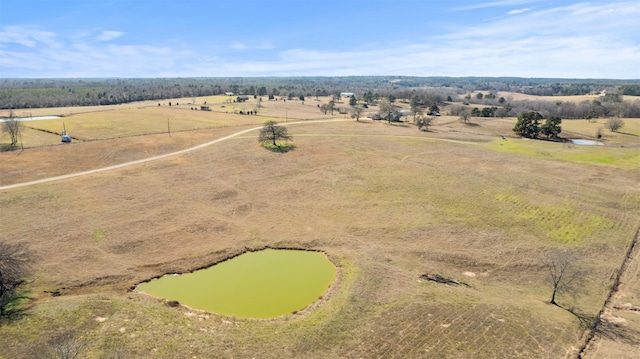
386	202
575	98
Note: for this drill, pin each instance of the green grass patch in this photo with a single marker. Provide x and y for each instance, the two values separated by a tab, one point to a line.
614	156
99	235
561	222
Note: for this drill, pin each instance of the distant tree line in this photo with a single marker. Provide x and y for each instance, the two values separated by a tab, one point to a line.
608	105
632	90
34	93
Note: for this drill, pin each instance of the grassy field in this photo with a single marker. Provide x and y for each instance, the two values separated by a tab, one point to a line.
388	203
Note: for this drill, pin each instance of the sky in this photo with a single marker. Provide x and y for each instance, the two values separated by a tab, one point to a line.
247	38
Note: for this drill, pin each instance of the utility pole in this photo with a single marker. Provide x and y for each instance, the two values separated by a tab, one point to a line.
168	127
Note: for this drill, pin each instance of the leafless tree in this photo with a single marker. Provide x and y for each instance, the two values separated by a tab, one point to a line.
12	127
271	132
423	122
562	273
331	106
356	112
615	124
387	109
464	116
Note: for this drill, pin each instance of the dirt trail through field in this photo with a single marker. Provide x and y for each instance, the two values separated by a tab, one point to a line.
154	158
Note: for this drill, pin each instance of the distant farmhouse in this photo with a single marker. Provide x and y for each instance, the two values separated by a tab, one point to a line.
347	94
242	98
229	93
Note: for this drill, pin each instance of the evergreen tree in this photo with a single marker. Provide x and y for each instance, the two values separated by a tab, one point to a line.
528	124
551	127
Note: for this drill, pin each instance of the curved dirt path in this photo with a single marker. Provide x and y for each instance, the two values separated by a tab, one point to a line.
154	158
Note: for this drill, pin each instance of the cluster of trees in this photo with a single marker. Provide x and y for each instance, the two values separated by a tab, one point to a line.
529	125
485	112
604	106
608	105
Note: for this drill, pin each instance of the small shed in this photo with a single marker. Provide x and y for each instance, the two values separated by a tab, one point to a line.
205	108
347	94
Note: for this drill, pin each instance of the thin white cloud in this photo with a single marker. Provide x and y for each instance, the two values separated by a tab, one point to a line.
501	3
519	11
109	35
567	42
240	46
27	36
573	41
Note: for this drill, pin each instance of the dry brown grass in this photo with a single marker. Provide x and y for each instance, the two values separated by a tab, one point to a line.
386	202
515	96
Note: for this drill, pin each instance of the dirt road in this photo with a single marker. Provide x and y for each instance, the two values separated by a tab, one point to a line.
154	158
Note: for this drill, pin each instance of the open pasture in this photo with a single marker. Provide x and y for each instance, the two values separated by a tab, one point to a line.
516	96
388	203
137	122
117	121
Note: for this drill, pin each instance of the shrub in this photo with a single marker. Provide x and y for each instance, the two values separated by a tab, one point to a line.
615	124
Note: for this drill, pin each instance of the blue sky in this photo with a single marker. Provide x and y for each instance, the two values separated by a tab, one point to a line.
193	38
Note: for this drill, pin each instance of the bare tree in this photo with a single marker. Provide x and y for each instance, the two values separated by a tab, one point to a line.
387	109
14	265
12	127
356	112
324	108
615	124
423	122
464	115
561	273
331	106
271	132
416	111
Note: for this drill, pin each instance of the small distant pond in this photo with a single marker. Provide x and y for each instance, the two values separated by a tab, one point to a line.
587	142
262	284
34	118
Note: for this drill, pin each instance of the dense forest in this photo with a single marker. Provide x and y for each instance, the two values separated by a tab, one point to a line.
36	93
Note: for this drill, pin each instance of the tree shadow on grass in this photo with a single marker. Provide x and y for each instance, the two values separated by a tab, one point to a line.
280	148
5	147
618	332
586	320
606	329
16	309
398	124
627	133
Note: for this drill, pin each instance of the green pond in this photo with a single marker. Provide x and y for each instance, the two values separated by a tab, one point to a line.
262	284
